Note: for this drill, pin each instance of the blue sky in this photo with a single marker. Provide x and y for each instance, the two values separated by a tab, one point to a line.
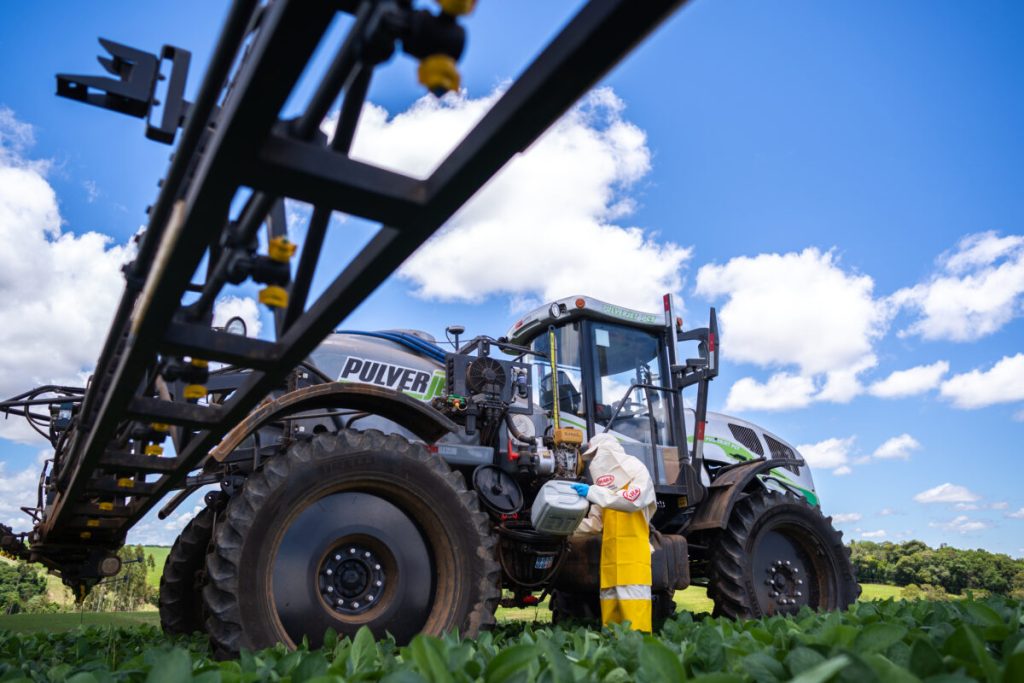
841	179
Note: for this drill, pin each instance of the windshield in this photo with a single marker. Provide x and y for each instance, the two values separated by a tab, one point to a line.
570	374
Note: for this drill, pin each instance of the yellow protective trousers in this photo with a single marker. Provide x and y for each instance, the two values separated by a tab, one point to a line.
626	569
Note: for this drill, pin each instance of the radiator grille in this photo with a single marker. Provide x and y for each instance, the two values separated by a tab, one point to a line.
747	437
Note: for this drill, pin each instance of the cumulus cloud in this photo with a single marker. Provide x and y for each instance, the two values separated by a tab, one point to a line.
947	493
17	489
978	289
796	310
550	223
887	512
910	382
845	517
1019	514
880	533
59	289
962	524
782	391
1002	383
898	447
842	470
830	454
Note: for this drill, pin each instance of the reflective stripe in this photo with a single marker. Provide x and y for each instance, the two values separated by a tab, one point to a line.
633	592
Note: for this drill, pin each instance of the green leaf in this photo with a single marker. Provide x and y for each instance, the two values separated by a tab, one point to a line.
559	668
823	671
763	668
509	662
800	659
363	655
426	652
925	660
878	637
174	666
983	614
1014	672
313	665
889	672
658	662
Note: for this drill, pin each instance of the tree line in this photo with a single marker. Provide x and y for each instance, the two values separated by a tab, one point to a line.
23	587
954	570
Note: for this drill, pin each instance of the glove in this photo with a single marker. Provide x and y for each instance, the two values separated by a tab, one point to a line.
580	489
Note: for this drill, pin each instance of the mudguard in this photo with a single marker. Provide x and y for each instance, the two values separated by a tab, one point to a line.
418	417
728	487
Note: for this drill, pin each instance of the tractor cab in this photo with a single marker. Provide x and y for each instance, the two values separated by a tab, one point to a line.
614	370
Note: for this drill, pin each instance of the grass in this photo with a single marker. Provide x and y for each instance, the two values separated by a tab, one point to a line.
159	554
66	621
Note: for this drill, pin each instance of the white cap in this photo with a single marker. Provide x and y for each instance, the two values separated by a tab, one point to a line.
597	441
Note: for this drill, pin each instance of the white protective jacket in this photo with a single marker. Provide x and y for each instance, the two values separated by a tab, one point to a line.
621	482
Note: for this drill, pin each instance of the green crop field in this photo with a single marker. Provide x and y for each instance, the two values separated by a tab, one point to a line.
900	641
159	554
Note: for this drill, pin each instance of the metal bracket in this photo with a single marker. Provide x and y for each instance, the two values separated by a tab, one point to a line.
133	91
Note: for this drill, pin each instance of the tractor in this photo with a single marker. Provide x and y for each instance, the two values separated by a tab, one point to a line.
391	486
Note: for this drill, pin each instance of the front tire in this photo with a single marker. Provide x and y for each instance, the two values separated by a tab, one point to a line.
777	555
181	599
347	530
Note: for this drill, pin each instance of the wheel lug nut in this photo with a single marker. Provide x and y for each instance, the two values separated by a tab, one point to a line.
796	570
356	605
341	603
351	551
330	589
379	583
799	582
788	563
329	572
799	594
369	597
366	554
337	557
775	594
377	567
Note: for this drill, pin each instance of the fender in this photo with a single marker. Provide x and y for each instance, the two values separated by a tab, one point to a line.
729	487
418	417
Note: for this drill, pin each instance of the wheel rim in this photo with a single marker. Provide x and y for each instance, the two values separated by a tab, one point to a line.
347	560
788	572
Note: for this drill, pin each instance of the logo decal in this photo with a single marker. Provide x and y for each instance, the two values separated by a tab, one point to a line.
632	494
418	384
605	480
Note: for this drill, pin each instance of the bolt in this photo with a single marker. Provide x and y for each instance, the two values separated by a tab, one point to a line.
330	572
351	551
330	589
799	582
369	597
341	603
799	594
380	583
356	605
788	563
377	567
337	557
796	570
366	554
775	594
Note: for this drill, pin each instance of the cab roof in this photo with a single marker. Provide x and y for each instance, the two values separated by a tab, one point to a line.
575	308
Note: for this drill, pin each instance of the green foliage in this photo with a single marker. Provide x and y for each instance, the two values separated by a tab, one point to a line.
20	583
129	590
947	569
946	641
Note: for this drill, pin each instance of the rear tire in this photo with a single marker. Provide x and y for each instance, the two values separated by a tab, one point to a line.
347	530
181	599
777	555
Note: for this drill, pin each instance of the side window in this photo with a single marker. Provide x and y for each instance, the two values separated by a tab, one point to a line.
567	385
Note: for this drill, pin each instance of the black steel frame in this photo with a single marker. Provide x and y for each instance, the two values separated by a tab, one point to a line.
233	138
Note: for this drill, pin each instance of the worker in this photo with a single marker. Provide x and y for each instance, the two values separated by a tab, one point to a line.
623	504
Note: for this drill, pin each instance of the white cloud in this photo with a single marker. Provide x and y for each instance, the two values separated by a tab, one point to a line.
16	490
845	517
978	289
910	382
961	524
898	447
245	308
1002	383
966	506
880	533
799	310
782	391
828	454
999	505
842	471
947	493
887	512
59	289
794	309
1019	514
558	206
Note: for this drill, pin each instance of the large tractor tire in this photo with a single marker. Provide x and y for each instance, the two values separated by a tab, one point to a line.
347	530
777	555
181	599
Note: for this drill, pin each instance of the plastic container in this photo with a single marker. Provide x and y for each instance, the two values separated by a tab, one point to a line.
558	509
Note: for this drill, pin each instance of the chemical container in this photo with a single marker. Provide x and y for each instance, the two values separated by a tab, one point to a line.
558	509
